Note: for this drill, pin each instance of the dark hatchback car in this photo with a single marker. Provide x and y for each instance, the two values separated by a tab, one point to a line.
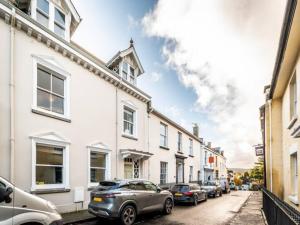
190	193
125	199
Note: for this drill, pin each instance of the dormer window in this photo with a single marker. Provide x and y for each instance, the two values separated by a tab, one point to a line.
42	12
128	73
59	23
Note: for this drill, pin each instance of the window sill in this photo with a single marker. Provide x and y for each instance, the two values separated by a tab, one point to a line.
163	147
51	115
179	152
129	137
191	156
50	191
294	199
292	122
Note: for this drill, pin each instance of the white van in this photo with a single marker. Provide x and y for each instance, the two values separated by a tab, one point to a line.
19	207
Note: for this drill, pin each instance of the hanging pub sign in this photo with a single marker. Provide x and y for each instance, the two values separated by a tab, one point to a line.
259	150
211	159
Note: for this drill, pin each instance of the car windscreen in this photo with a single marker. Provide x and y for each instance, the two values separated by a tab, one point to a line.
181	188
209	184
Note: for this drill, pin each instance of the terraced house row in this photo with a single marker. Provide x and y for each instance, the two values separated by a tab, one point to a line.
69	120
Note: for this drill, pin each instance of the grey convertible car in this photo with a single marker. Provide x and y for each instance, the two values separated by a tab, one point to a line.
125	199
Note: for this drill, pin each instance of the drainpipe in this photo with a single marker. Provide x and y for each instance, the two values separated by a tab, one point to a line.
12	98
149	110
117	128
270	140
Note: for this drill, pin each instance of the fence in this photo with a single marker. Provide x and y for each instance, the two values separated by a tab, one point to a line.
278	212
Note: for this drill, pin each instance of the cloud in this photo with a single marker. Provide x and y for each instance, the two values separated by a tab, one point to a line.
224	51
155	77
132	22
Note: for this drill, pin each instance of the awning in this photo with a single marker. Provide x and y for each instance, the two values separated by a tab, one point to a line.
135	154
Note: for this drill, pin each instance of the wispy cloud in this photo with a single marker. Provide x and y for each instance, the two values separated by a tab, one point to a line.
224	51
155	77
132	22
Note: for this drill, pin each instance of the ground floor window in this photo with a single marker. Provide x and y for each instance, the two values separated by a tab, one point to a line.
294	175
97	166
191	174
131	168
49	164
163	172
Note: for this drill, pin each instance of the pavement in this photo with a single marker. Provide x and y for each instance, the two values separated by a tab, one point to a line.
251	212
216	211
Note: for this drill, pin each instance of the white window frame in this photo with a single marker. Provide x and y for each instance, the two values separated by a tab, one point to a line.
129	105
179	141
166	172
51	18
50	139
165	135
191	150
293	96
127	71
132	161
100	148
63	26
191	171
52	66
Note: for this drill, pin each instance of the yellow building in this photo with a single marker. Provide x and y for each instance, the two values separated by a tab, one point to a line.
279	115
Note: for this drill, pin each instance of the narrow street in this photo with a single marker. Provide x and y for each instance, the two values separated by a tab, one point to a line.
216	211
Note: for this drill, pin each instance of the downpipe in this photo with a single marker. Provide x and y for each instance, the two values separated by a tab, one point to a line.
12	97
270	140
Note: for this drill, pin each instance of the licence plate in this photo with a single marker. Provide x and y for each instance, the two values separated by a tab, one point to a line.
178	194
96	199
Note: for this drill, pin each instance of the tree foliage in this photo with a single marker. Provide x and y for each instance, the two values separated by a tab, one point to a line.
257	173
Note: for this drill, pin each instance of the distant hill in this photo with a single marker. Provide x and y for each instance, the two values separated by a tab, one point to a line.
239	170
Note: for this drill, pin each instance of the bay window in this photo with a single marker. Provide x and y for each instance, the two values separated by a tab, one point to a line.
128	73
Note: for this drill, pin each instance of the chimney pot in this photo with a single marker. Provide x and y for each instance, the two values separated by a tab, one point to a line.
196	129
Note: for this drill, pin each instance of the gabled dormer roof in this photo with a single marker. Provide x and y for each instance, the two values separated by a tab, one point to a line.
122	54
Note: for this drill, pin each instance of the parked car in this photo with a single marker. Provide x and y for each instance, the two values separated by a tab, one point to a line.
191	193
125	199
19	207
245	187
213	188
225	185
232	186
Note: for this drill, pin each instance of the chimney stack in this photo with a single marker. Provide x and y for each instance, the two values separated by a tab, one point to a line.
196	129
209	144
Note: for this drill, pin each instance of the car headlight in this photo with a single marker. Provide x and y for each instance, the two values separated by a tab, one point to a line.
51	205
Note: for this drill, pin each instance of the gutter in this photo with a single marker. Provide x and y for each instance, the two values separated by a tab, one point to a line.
12	97
284	36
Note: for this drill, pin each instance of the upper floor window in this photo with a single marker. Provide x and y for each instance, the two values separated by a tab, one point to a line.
163	135
59	23
129	121
50	91
216	160
293	97
179	142
51	17
191	151
42	12
128	73
205	158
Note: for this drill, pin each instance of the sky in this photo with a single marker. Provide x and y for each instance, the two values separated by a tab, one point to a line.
206	62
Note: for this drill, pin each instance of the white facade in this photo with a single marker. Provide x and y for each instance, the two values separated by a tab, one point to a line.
68	120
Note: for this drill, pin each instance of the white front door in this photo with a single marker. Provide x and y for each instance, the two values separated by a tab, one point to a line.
180	173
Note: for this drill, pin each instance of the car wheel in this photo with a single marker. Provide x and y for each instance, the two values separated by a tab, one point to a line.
220	194
206	197
168	206
195	203
128	215
215	195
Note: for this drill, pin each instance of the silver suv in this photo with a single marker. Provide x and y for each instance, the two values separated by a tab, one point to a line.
19	207
125	199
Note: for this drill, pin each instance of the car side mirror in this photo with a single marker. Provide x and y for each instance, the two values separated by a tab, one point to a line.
158	189
7	198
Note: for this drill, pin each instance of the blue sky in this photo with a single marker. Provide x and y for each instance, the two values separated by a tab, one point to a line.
199	57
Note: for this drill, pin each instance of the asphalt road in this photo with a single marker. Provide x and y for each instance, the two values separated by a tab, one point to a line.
216	211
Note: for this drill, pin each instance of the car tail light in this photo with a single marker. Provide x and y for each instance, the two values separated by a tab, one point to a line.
188	193
112	195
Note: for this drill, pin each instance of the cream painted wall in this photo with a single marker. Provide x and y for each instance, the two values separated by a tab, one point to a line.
4	100
168	156
93	118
